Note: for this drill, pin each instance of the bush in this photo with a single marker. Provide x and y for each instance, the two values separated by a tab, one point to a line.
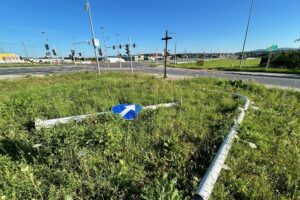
286	59
200	63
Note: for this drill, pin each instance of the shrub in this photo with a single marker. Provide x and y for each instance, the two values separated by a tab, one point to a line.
286	59
200	63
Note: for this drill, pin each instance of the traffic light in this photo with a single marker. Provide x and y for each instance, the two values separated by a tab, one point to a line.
120	46
127	48
80	54
100	52
134	45
54	52
73	52
47	47
114	47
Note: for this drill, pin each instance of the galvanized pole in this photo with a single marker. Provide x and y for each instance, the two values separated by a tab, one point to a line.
130	54
117	35
93	34
167	38
269	60
246	34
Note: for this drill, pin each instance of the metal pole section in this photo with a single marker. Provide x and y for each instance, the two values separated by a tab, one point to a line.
166	53
93	34
176	52
246	34
208	181
130	55
166	56
117	35
269	59
25	49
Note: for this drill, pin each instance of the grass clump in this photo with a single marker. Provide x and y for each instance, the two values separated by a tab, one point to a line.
161	155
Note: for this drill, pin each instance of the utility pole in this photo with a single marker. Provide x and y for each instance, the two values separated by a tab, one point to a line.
246	34
95	42
25	49
167	38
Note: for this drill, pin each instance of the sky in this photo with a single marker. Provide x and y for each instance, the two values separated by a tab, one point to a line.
200	25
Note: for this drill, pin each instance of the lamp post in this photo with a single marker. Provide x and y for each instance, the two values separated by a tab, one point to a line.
95	42
246	34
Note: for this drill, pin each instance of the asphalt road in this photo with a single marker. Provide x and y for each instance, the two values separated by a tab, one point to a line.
280	80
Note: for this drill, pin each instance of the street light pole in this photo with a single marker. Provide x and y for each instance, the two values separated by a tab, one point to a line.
87	7
246	34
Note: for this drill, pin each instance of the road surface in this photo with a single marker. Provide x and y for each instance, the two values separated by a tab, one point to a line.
269	79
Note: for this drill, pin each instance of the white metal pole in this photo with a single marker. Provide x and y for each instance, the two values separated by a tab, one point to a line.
93	34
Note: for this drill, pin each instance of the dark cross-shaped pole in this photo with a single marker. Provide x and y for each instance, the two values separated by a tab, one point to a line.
166	52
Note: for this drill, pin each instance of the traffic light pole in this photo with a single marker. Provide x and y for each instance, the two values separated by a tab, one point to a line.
167	38
130	55
93	35
46	43
118	51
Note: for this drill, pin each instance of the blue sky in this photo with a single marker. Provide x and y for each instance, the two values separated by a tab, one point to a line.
206	25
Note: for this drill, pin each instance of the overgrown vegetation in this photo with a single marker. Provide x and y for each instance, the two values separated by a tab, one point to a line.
161	155
286	59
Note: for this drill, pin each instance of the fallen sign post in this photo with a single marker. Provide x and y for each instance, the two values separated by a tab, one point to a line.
126	111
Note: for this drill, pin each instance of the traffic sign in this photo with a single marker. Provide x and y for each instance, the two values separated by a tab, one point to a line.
127	111
272	48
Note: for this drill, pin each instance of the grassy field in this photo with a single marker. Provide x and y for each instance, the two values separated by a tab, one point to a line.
161	155
234	65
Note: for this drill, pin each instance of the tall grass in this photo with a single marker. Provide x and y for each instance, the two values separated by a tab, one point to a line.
161	155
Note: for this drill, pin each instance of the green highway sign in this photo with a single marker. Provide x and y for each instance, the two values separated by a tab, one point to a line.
272	48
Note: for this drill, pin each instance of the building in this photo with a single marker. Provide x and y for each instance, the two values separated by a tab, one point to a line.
10	58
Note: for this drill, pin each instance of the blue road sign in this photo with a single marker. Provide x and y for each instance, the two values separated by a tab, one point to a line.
127	111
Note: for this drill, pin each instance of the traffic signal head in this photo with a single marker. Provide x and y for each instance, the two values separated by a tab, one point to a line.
54	52
120	46
100	52
80	54
114	47
134	45
127	48
73	52
47	47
